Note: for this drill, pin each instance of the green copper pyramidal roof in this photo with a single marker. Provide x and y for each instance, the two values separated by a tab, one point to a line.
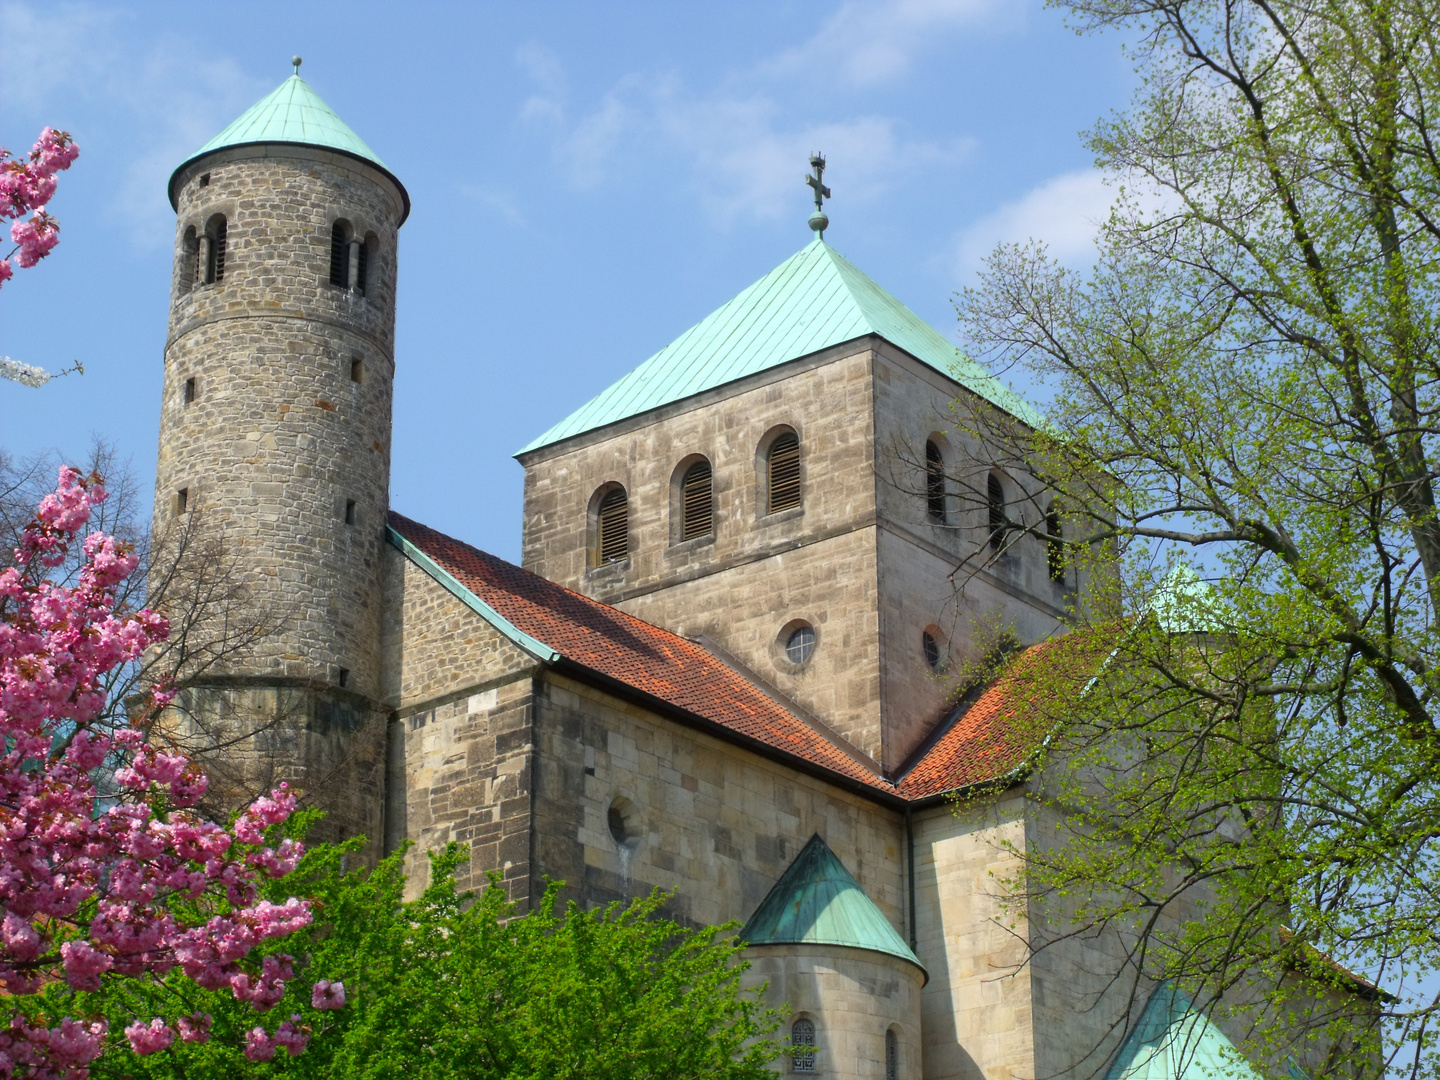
292	113
817	902
1174	1041
813	300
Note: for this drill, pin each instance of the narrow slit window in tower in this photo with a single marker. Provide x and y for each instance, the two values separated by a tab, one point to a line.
215	258
343	677
357	369
934	483
189	390
340	254
802	1045
697	517
205	179
612	527
363	257
349	511
783	472
182	501
995	505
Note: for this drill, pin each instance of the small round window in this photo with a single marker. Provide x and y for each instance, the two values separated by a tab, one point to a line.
932	650
800	645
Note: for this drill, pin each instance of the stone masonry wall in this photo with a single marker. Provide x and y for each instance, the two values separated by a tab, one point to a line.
715	822
744	585
922	583
459	747
977	1017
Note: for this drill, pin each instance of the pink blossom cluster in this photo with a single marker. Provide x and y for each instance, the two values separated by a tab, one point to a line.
26	185
60	855
291	1036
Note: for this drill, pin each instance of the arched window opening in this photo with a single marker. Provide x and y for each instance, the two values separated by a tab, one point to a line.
995	502
612	527
189	251
364	254
782	473
802	1046
892	1056
1054	546
934	483
930	646
697	504
340	254
215	250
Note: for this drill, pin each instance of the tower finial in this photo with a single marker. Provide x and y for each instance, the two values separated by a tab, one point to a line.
297	62
818	221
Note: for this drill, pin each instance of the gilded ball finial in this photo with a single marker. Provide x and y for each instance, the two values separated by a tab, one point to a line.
297	62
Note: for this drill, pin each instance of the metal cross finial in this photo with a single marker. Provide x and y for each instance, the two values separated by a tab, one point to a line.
818	221
297	62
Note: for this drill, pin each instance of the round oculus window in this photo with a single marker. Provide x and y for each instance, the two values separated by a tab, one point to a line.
800	645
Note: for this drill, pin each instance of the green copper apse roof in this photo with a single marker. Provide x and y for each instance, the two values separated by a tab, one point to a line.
1174	1041
817	902
814	299
292	113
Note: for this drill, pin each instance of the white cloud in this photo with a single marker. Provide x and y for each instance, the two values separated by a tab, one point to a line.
1063	213
739	141
867	43
169	95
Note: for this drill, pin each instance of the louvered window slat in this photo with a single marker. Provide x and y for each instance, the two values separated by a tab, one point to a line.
364	266
696	503
339	256
219	251
784	470
614	527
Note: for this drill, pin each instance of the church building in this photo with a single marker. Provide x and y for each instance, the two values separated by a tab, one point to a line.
727	663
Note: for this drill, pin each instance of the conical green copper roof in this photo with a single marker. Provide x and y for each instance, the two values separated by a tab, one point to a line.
813	300
1174	1041
817	902
292	113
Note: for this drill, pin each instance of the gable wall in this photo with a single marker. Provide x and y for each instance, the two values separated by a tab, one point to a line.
742	586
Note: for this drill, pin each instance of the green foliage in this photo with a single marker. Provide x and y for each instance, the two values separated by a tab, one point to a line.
455	985
1250	374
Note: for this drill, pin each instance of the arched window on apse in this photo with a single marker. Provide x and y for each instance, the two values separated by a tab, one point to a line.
892	1056
934	483
782	473
697	503
802	1039
612	527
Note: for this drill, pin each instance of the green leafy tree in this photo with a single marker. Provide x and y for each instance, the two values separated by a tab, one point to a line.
456	985
1248	376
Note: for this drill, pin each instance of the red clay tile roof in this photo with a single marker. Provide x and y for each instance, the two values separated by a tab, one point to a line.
993	736
654	661
985	741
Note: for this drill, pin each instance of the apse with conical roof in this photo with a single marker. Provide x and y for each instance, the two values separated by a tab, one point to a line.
275	433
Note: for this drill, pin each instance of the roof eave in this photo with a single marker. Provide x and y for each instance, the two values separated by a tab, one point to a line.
174	194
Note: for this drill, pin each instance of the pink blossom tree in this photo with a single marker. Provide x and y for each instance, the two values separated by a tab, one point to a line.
129	882
26	186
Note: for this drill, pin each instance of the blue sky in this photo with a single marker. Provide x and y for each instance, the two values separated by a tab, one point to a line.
588	180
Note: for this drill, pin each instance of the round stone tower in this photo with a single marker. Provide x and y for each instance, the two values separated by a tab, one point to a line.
275	443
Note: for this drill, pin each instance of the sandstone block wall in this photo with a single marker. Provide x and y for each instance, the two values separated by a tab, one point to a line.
279	437
713	821
977	1017
853	997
